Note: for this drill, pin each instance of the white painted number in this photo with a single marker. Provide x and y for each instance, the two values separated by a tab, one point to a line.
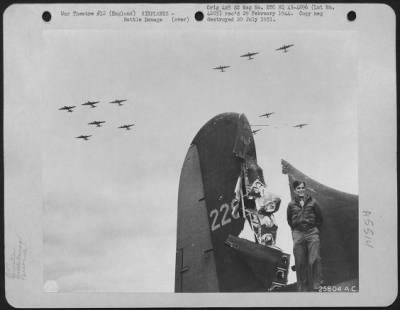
225	220
235	206
214	225
226	210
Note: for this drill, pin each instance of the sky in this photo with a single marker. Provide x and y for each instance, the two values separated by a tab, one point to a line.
110	203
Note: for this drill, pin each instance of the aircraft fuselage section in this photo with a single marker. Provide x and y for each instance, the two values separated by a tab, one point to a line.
220	147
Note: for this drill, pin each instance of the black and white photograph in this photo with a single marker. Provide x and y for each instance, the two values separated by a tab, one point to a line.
167	149
113	152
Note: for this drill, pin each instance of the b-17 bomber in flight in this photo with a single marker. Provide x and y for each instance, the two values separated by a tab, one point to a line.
221	68
284	48
300	125
92	104
118	101
84	137
97	123
69	108
267	114
127	127
249	55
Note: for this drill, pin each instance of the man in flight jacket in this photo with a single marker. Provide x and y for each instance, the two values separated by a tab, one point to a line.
304	218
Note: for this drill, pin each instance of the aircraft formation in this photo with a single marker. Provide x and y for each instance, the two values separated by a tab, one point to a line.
93	104
267	115
250	55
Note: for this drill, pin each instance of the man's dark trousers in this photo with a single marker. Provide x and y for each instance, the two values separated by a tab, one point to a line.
306	250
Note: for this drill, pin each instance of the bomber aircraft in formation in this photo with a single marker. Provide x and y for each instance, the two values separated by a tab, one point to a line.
221	68
69	108
118	101
300	125
249	55
84	137
97	123
92	104
127	127
267	114
284	48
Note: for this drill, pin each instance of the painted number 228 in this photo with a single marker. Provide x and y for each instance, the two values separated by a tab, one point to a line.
225	210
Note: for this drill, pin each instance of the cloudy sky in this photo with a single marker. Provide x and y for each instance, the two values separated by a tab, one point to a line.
110	204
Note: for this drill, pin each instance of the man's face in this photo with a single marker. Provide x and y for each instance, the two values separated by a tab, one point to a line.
300	190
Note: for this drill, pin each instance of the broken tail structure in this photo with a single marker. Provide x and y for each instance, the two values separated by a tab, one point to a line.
257	205
210	256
